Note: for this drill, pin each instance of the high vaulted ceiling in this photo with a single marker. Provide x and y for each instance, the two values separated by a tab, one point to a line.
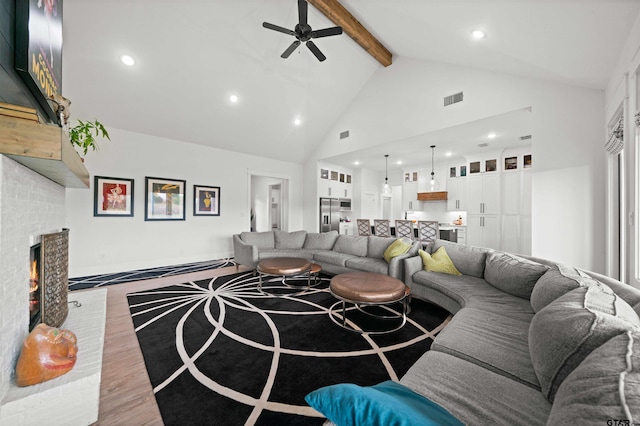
191	55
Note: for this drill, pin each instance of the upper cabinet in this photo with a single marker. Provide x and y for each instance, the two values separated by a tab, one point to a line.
334	182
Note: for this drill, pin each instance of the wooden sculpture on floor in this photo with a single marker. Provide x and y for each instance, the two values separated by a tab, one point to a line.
47	353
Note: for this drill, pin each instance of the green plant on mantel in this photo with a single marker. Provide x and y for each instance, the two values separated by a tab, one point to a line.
84	135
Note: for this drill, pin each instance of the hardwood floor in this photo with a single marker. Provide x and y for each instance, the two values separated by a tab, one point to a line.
126	396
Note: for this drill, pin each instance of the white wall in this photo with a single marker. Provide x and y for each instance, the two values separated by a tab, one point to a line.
111	244
406	100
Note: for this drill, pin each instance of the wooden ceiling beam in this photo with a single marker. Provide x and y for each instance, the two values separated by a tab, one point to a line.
354	29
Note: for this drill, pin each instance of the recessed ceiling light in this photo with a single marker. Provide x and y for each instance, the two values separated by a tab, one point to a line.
448	154
491	135
233	98
356	163
127	60
297	121
478	34
399	162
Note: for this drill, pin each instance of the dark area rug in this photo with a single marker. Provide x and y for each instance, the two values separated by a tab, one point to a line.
92	281
220	352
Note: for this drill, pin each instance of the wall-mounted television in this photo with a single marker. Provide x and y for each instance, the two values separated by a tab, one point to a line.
38	49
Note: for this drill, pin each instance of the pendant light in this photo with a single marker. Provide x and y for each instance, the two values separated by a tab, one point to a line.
386	189
434	185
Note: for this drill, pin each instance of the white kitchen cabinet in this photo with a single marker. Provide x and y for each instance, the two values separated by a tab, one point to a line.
483	194
456	193
516	211
462	234
483	231
410	196
346	228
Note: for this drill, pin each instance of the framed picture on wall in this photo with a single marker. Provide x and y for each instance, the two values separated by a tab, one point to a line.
463	171
324	174
474	167
527	161
490	166
206	200
341	177
348	178
334	175
112	196
511	163
164	199
452	172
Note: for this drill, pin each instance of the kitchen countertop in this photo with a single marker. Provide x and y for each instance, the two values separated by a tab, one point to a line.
449	226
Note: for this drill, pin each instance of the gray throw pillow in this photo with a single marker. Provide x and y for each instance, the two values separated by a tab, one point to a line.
261	240
377	245
605	386
469	260
289	240
512	274
567	330
558	280
349	244
320	240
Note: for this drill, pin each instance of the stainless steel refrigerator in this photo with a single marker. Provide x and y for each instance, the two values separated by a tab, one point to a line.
329	214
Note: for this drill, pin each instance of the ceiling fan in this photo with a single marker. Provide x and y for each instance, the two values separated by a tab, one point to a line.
304	33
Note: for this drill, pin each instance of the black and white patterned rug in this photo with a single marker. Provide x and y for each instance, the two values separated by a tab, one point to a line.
219	351
146	274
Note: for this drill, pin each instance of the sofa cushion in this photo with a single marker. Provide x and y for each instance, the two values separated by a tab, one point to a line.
376	246
474	394
567	330
387	403
367	264
558	280
605	386
299	253
289	240
498	342
396	248
261	240
439	261
320	240
348	244
468	260
332	257
512	273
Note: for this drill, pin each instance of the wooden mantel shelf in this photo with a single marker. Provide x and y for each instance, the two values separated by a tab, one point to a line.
44	149
432	196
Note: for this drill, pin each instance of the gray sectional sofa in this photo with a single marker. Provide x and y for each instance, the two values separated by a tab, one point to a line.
531	342
335	253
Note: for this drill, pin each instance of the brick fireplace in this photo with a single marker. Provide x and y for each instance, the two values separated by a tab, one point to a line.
32	206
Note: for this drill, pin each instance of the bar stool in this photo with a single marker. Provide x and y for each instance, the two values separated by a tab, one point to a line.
382	227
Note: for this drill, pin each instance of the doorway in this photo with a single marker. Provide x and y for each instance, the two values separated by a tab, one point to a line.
275	210
269	201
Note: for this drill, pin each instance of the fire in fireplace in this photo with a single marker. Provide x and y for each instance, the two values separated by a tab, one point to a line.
48	280
34	286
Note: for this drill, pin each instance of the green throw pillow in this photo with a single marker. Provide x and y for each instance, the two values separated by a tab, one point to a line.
396	248
438	262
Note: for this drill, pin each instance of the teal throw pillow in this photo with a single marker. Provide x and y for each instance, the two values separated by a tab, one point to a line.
387	403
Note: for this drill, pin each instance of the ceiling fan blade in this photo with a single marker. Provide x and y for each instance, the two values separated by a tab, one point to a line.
302	12
313	48
277	28
290	49
326	32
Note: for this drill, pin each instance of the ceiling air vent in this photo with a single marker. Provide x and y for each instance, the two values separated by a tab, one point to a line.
344	135
450	100
483	145
525	138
